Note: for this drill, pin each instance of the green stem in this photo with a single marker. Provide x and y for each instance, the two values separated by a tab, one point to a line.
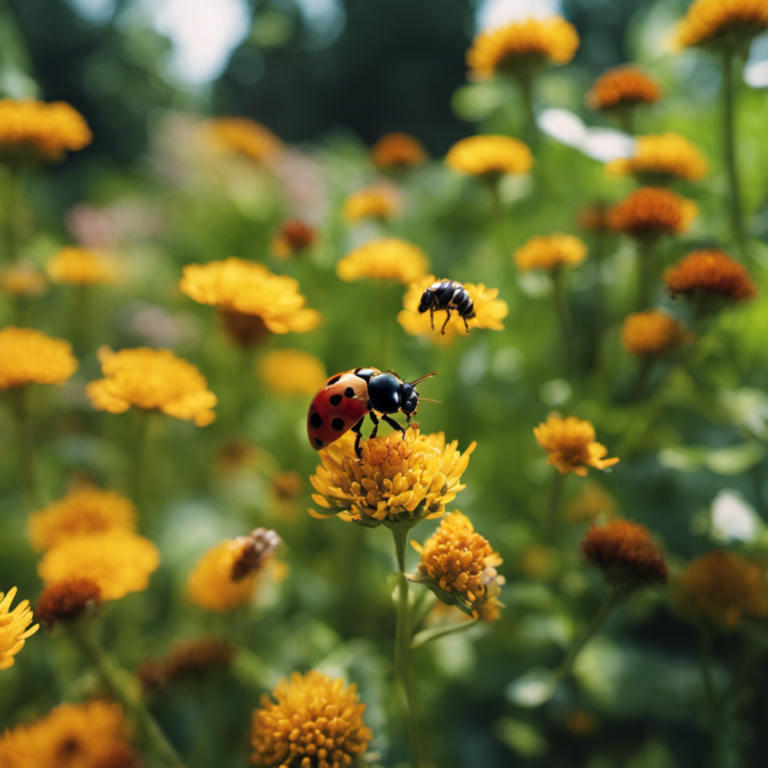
644	274
499	223
119	687
403	646
384	319
564	320
141	464
729	147
626	118
12	214
553	511
80	322
645	367
19	397
428	635
710	694
531	128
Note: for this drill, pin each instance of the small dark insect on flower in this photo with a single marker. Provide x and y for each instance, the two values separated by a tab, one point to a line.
446	296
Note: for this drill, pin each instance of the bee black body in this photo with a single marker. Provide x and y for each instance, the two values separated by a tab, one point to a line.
447	296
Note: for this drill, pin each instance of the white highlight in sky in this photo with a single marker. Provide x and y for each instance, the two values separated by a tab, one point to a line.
495	13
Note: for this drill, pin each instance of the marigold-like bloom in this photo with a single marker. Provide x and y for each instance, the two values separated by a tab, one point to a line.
152	379
661	160
490	312
589	504
227	575
117	560
249	293
291	238
375	202
65	601
521	46
594	217
288	372
23	279
710	274
14	627
81	267
650	212
397	479
570	445
315	721
245	137
398	150
28	356
550	252
41	131
623	88
721	22
625	553
462	562
489	156
187	658
85	509
653	334
539	562
386	259
721	589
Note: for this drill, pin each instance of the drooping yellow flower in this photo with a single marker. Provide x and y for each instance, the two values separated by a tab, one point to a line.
490	312
288	372
81	267
489	157
463	564
714	23
710	274
245	137
379	201
85	509
653	334
23	279
660	160
589	504
550	252
397	478
570	445
14	627
65	601
293	237
28	356
721	589
650	212
398	150
227	575
315	721
522	46
118	561
385	259
249	296
623	87
41	131
152	379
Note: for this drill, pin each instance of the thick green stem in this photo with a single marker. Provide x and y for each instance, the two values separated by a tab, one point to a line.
553	511
19	397
403	646
644	274
428	635
119	687
12	213
531	127
729	60
141	463
564	320
710	694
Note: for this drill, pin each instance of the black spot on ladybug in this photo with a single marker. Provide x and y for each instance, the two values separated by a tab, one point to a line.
338	424
318	442
349	392
332	381
316	420
335	400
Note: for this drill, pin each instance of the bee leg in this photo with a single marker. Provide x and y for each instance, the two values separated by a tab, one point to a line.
392	423
466	324
375	421
432	317
356	429
447	318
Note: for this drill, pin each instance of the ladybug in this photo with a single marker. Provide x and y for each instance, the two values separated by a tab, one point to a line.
447	295
347	398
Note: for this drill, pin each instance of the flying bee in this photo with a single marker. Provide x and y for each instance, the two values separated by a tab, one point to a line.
447	296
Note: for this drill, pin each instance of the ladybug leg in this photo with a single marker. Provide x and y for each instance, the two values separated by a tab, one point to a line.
392	423
375	420
447	318
356	429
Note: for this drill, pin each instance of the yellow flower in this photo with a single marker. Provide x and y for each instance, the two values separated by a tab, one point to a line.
64	601
374	202
387	259
570	445
293	237
463	564
244	137
42	131
721	589
315	721
521	46
652	334
539	562
589	504
152	379
118	561
85	509
227	575
650	212
288	372
623	88
398	479
489	156
550	252
23	279
721	22
661	160
14	628
398	150
490	312
81	267
249	295
710	274
31	357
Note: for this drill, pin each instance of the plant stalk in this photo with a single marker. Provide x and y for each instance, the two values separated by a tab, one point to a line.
730	57
428	635
710	694
644	274
564	320
19	397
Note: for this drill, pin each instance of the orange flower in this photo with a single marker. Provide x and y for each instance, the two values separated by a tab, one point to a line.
710	274
651	212
398	150
652	334
245	137
623	87
594	217
65	601
292	237
570	445
721	22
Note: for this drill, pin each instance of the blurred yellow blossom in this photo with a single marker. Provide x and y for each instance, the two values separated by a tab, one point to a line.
14	627
398	150
287	372
653	334
661	160
244	137
379	201
550	252
721	22
590	503
28	356
385	259
23	279
623	87
489	156
81	267
570	445
293	236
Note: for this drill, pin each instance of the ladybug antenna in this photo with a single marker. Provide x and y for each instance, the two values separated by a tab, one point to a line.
414	383
427	400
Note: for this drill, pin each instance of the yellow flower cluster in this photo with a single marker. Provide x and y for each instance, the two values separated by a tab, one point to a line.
245	137
314	721
623	88
396	151
398	479
41	131
22	279
661	160
650	212
387	259
287	372
721	22
550	252
152	379
652	334
570	445
28	356
81	267
375	202
489	156
14	628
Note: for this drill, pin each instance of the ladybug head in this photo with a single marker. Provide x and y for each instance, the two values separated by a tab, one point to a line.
428	300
